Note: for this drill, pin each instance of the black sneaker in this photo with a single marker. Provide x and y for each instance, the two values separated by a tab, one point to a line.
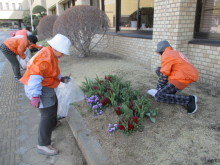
192	105
17	79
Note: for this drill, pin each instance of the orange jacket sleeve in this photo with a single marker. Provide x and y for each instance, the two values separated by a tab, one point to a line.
34	46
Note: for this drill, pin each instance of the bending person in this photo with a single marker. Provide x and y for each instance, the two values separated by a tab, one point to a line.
16	46
40	79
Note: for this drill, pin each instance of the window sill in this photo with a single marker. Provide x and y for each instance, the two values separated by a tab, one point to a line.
205	42
131	35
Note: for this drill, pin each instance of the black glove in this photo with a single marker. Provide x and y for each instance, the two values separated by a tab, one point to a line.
65	79
158	71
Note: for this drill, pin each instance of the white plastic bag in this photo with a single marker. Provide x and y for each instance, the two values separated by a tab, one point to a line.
23	62
66	94
152	92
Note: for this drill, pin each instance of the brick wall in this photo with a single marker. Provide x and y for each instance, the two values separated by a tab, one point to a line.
207	61
174	21
136	49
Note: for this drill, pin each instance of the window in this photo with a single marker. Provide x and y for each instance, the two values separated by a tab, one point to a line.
109	7
13	6
53	11
207	24
68	4
95	3
137	15
1	7
134	16
73	2
7	6
19	6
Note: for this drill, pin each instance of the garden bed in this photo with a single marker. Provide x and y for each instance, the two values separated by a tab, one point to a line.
175	137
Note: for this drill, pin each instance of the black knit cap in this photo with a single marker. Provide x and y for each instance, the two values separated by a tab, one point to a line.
32	39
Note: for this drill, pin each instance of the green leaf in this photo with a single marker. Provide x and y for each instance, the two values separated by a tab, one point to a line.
153	119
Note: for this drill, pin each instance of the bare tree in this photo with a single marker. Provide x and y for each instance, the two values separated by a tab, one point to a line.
45	27
81	24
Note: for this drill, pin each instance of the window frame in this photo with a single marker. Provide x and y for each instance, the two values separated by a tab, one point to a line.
131	33
202	35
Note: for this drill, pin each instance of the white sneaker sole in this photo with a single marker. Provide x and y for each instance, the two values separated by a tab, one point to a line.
46	153
196	105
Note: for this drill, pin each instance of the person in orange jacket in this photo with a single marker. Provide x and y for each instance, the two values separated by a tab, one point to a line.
175	73
34	47
40	79
16	46
24	32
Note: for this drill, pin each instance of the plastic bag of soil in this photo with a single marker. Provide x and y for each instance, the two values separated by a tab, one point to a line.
67	93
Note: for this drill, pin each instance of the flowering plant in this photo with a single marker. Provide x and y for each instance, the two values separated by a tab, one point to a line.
95	105
112	91
112	127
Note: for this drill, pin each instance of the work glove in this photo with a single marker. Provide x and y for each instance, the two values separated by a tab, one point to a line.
65	79
35	101
158	71
162	81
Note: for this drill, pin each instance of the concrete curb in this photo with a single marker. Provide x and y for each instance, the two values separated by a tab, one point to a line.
89	146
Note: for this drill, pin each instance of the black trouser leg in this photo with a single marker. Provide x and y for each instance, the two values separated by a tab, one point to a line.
12	59
47	123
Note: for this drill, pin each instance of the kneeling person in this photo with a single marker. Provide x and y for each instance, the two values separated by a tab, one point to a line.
175	73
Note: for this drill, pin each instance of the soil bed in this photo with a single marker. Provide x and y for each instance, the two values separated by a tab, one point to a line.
175	138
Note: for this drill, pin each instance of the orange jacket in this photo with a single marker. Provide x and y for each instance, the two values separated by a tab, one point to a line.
177	67
21	32
18	45
45	64
34	46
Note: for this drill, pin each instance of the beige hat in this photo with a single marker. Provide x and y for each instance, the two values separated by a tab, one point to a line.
60	43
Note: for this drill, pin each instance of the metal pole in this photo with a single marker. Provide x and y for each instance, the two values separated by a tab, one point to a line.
32	27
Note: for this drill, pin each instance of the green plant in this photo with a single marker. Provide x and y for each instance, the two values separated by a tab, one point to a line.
112	91
39	10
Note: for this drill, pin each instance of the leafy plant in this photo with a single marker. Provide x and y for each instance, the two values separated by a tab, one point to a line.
39	10
112	91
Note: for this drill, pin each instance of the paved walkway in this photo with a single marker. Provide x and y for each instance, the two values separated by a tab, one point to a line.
19	127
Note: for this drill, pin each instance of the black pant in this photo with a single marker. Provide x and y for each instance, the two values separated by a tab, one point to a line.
48	122
11	56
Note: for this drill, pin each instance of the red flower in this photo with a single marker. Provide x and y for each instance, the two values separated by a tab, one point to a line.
140	106
95	87
108	78
135	120
130	127
109	89
105	101
131	104
118	111
121	127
